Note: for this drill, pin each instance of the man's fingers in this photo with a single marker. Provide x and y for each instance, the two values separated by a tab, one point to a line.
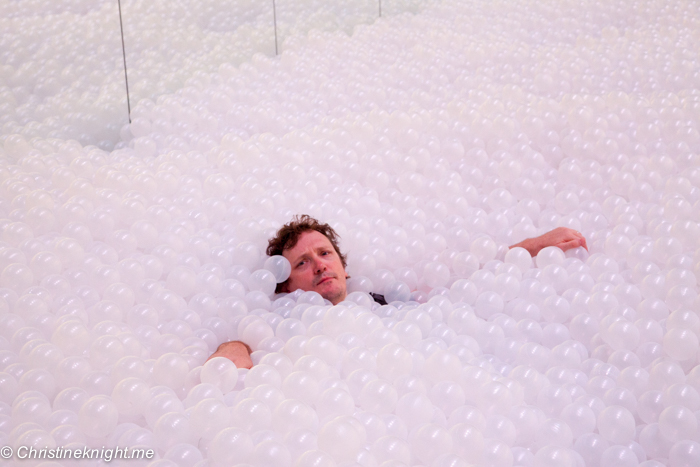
582	239
570	244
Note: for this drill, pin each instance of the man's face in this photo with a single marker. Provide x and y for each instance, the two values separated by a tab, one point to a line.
316	267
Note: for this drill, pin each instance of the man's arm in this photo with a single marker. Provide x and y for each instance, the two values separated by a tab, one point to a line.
561	237
236	351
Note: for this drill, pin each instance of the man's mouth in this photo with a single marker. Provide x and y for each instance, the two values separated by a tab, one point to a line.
324	279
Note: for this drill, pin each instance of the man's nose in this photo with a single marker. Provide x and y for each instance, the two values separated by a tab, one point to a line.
319	266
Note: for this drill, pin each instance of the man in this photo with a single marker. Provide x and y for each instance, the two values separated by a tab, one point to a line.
318	265
313	252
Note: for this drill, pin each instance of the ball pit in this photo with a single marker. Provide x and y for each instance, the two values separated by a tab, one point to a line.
62	71
430	142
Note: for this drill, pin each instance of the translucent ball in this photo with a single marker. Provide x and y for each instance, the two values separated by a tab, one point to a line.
681	344
173	428
497	453
388	449
131	396
429	442
30	407
71	399
414	409
45	263
441	366
293	414
71	369
665	373
273	453
17	277
289	328
684	453
488	304
552	455
161	404
35	437
315	458
263	374
465	264
520	257
342	438
393	361
184	455
508	285
263	281
279	266
591	446
619	456
200	392
464	290
653	442
617	246
436	274
67	433
334	402
616	424
98	417
682	394
182	280
447	396
484	248
554	432
248	255
676	421
256	332
209	417
336	320
221	372
580	418
550	255
170	370
325	348
301	385
397	291
378	396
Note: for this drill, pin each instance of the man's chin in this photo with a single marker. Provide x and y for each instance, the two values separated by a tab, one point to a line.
333	294
326	285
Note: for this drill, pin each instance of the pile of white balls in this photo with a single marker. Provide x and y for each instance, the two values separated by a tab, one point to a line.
430	142
61	64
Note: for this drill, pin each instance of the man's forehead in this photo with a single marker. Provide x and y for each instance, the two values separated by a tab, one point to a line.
308	240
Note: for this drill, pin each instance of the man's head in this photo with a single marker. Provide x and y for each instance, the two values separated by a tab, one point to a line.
317	263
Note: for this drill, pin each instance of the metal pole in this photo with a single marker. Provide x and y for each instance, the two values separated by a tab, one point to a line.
380	8
126	78
274	20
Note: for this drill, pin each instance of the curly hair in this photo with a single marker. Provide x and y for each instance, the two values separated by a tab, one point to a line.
288	236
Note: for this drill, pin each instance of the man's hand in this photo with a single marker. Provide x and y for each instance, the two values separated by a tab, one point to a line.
237	352
561	237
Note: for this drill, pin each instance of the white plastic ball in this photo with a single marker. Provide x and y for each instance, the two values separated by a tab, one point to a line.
220	372
279	266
